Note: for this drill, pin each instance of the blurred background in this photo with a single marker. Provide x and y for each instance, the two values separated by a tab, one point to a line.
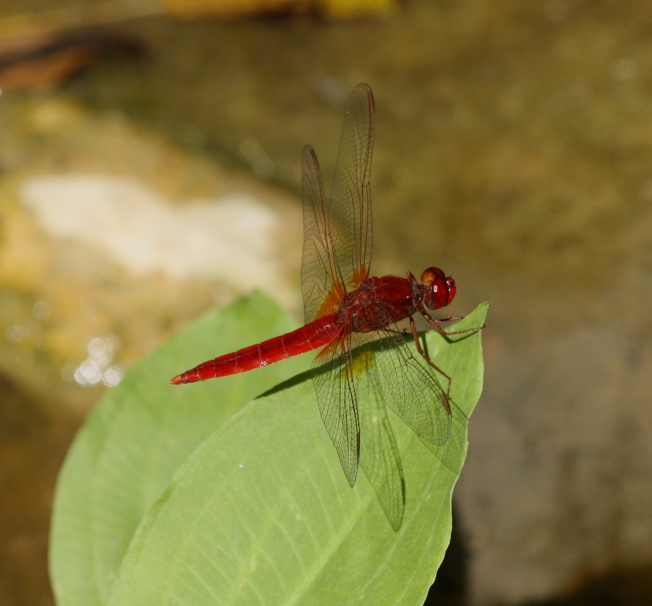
150	170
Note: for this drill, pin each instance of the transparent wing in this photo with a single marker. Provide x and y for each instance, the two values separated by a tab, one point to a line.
332	374
409	386
405	382
318	261
351	195
379	456
338	235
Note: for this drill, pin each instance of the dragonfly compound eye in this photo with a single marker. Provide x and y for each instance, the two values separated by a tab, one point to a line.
441	288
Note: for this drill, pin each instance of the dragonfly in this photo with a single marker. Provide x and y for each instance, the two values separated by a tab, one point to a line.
364	362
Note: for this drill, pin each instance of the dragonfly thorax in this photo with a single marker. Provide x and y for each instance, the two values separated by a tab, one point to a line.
376	302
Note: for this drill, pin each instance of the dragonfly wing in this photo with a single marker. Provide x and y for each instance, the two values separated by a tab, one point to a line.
332	374
409	386
379	456
350	207
338	236
318	271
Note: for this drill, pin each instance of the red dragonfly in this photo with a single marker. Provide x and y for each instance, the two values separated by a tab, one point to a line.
345	307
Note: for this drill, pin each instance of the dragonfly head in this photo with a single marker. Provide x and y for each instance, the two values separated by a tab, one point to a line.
440	288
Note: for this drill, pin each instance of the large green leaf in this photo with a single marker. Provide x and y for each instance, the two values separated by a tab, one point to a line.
261	511
139	435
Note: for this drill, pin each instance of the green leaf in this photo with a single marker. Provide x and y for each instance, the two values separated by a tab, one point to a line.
137	438
261	511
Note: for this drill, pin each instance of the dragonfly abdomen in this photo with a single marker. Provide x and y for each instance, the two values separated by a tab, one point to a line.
311	336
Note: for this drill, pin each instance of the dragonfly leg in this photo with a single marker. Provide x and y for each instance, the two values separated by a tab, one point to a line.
437	324
417	342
